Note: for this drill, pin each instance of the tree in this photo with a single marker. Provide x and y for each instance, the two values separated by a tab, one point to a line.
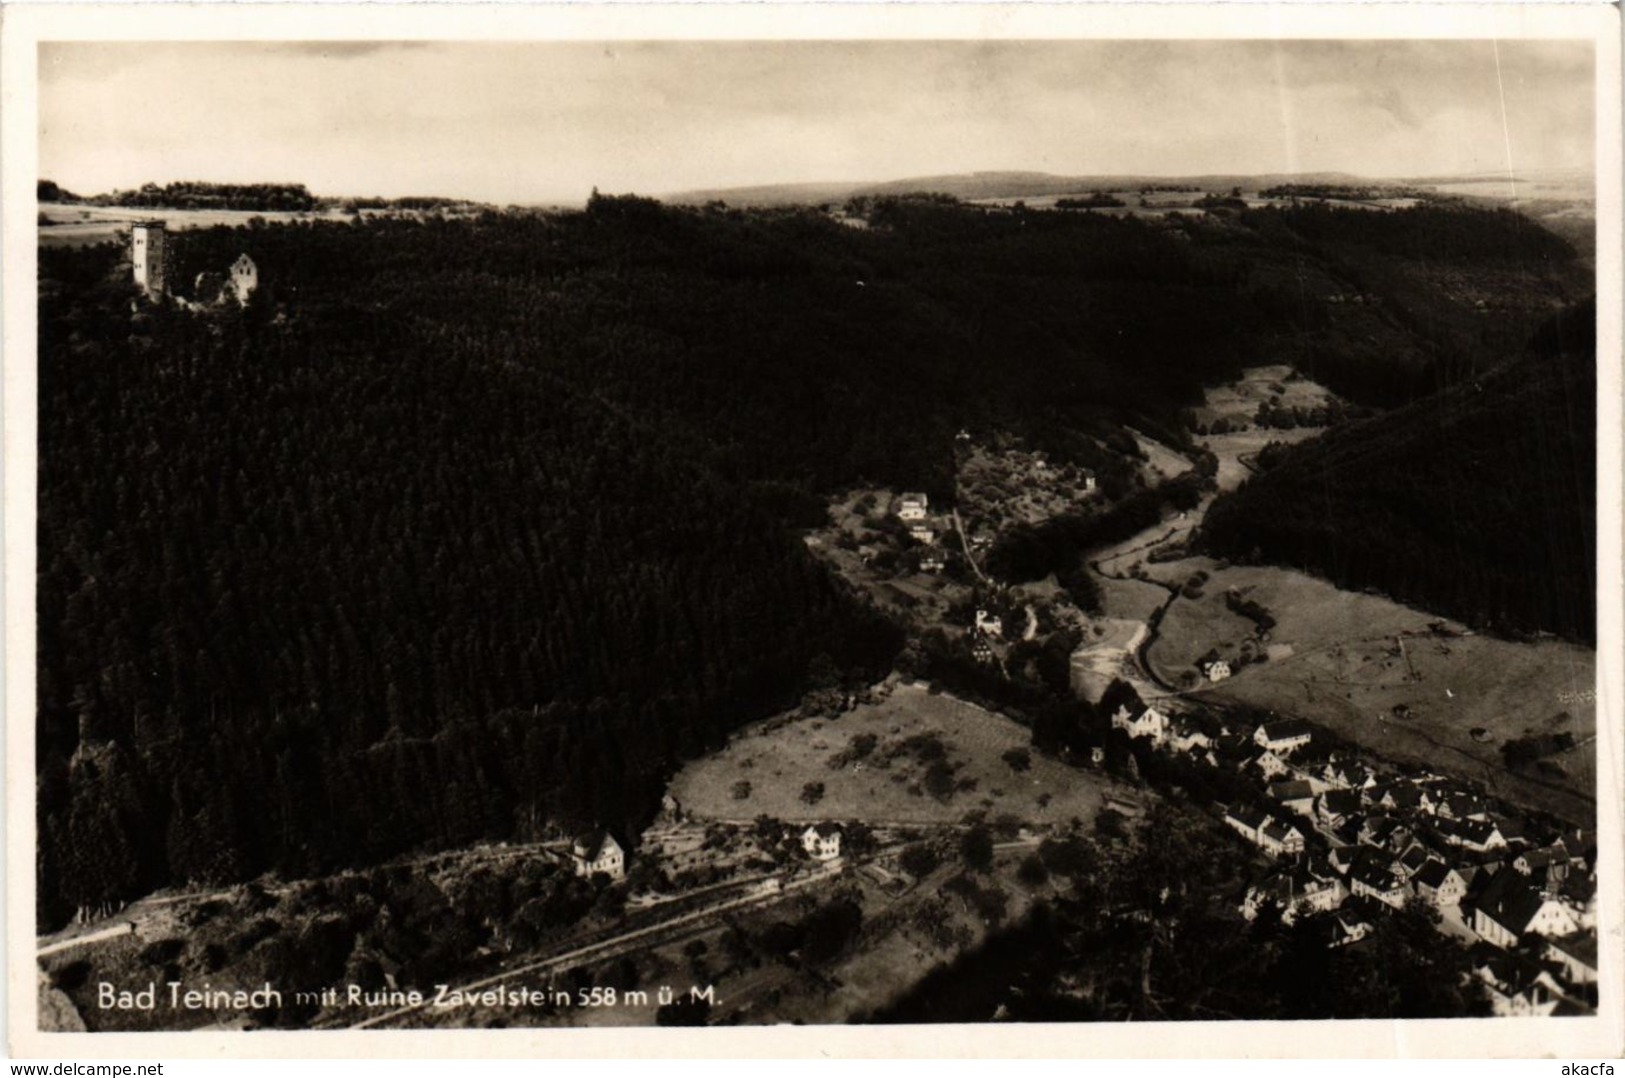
812	793
976	848
919	859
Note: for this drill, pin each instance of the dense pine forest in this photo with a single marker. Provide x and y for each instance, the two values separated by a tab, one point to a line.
1478	502
460	529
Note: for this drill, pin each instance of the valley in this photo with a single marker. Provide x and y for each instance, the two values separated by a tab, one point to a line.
788	646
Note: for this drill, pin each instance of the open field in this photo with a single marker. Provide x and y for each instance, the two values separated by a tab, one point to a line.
1133	600
1237	447
778	759
73	224
1100	661
1346	670
1240	399
1161	461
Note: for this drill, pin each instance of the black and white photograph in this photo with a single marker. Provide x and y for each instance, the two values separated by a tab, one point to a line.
608	529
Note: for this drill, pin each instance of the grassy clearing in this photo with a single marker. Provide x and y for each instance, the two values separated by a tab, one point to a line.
1193	627
1241	398
889	783
1232	448
1161	462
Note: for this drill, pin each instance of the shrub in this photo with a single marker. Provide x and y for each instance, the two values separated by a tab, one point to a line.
919	859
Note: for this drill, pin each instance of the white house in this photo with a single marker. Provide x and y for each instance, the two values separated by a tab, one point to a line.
921	532
1284	736
822	841
1510	909
1272	765
1218	671
989	623
1150	723
1378	881
597	851
1184	738
1258	828
912	505
1295	795
1295	891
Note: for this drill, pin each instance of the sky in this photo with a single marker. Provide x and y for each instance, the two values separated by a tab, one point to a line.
548	121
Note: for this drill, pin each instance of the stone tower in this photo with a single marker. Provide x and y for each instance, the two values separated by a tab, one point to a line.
147	255
245	277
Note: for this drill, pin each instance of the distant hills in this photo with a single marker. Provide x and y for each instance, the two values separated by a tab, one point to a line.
1002	184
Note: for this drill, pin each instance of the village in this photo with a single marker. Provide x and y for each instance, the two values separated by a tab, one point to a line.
1355	838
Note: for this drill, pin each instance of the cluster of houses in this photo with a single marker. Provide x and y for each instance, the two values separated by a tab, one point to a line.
597	852
1354	842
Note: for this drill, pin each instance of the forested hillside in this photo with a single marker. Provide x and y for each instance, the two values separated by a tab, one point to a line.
1478	503
463	527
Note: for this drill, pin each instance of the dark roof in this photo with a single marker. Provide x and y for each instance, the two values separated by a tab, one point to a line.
1581	946
1405	796
1244	814
1286	729
1476	831
590	844
1374	875
826	829
1433	874
1291	791
1341	802
1510	902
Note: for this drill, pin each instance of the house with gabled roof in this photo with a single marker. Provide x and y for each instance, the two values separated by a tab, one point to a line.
1263	831
822	841
1337	806
1508	909
1401	797
1546	865
1377	830
1149	723
1293	891
597	851
1412	860
1464	806
1580	845
1375	878
1184	737
1295	795
1284	736
1278	839
1577	955
912	505
1480	836
1439	884
1270	765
